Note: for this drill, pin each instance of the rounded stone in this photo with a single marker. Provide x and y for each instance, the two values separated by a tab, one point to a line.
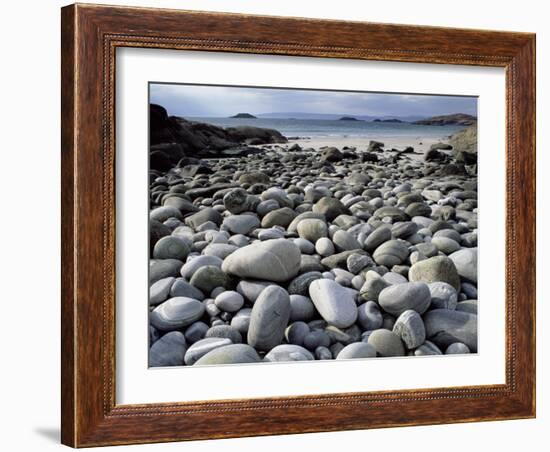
208	278
239	240
315	339
394	278
230	354
445	244
202	347
469	290
216	291
279	217
306	247
344	241
434	269
467	306
465	261
418	209
357	350
426	249
338	335
176	313
203	216
369	316
269	318
288	352
157	230
296	332
324	247
160	290
457	348
300	284
274	260
392	212
334	303
357	282
323	353
241	224
221	250
254	177
449	233
229	301
252	289
404	229
443	295
399	298
236	201
374	284
357	262
171	247
266	206
301	308
409	326
390	253
386	343
195	332
444	327
160	269
271	233
241	320
169	350
377	237
182	288
329	207
164	212
225	331
426	349
312	229
192	265
293	227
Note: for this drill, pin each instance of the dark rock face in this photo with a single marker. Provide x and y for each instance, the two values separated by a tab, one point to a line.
434	155
172	138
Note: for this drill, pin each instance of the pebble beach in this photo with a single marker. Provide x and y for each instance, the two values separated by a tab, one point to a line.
313	250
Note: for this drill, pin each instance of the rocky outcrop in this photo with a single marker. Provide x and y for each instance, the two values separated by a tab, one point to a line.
171	138
243	116
457	119
464	145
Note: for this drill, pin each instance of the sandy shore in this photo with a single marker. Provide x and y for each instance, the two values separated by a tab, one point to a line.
420	144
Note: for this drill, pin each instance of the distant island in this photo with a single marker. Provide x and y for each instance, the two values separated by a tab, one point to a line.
387	120
348	118
244	115
459	119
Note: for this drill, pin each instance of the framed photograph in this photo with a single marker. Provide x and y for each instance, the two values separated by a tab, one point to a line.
269	232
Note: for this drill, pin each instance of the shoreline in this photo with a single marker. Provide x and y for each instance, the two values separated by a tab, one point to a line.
421	145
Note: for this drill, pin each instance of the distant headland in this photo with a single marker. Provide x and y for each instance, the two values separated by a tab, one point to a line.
460	119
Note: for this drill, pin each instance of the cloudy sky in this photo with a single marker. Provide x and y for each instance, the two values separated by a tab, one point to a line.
223	101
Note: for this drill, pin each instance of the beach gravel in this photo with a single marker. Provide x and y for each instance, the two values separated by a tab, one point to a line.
263	250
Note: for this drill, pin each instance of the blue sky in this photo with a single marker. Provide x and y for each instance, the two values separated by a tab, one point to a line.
223	101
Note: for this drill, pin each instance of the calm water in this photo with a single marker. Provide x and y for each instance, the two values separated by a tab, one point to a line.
332	128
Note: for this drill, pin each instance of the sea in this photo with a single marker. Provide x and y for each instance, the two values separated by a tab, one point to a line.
336	128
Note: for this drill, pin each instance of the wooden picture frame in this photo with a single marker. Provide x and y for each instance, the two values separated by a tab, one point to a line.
90	36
